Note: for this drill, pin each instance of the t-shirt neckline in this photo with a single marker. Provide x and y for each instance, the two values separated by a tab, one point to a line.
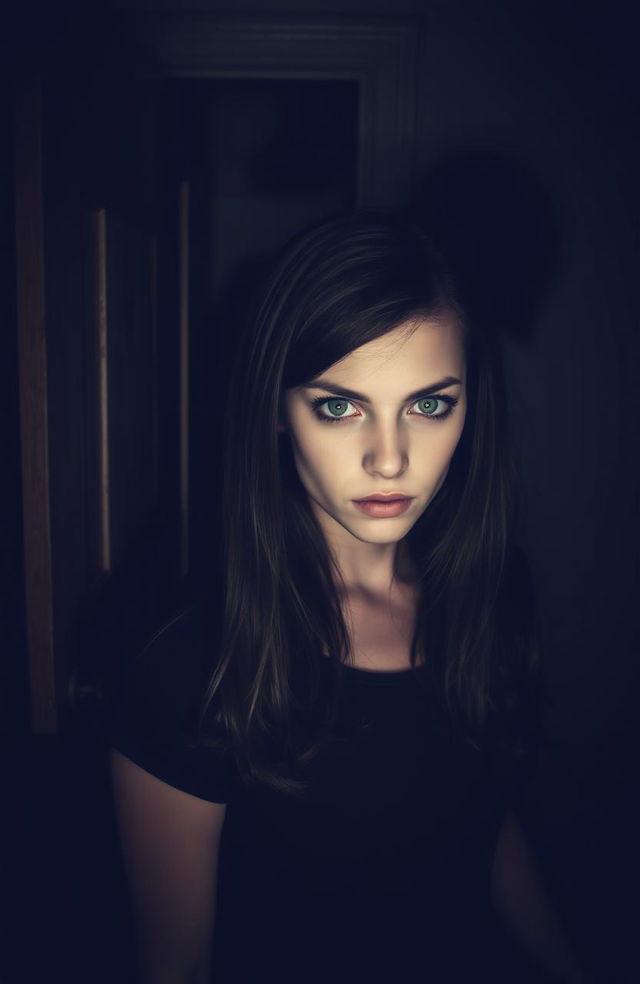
382	677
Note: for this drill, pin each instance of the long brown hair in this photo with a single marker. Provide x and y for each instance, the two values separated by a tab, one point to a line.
339	285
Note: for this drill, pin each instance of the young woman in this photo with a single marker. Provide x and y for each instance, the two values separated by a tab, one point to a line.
315	764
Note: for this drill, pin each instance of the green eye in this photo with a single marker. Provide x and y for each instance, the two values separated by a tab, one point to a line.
339	407
433	401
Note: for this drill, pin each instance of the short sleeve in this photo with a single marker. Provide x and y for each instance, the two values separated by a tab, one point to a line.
155	712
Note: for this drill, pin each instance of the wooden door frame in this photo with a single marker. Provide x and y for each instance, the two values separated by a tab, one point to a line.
32	381
380	54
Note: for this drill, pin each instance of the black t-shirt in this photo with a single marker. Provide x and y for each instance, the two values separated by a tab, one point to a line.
381	871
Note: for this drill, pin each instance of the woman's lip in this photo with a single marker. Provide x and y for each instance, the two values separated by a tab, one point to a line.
384	498
379	508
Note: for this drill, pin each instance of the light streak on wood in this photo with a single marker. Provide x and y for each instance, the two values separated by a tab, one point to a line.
101	314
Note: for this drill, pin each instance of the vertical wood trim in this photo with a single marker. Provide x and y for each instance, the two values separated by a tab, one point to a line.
32	370
101	328
184	375
155	427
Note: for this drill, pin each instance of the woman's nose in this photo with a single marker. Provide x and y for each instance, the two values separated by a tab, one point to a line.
387	453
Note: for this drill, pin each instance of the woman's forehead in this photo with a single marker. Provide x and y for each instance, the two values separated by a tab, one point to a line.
427	345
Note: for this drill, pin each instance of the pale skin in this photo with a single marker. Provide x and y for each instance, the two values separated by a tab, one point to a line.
387	444
171	839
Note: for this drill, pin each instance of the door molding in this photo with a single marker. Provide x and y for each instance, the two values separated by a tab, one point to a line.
379	54
34	425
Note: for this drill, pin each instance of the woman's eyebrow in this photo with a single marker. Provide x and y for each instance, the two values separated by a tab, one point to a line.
326	384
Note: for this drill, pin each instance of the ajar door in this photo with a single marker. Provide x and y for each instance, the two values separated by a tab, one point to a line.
99	308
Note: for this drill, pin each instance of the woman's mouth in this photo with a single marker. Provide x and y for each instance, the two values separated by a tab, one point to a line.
383	508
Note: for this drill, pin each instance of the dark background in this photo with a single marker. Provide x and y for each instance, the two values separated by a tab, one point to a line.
528	155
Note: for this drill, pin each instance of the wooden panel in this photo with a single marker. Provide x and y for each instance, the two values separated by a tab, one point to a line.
380	54
123	429
32	355
101	316
88	358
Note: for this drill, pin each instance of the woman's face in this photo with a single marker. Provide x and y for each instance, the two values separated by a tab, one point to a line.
383	421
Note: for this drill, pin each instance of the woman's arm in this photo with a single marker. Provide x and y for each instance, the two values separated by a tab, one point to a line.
170	843
520	899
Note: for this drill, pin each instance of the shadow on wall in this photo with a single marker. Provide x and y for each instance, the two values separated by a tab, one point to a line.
494	220
497	225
